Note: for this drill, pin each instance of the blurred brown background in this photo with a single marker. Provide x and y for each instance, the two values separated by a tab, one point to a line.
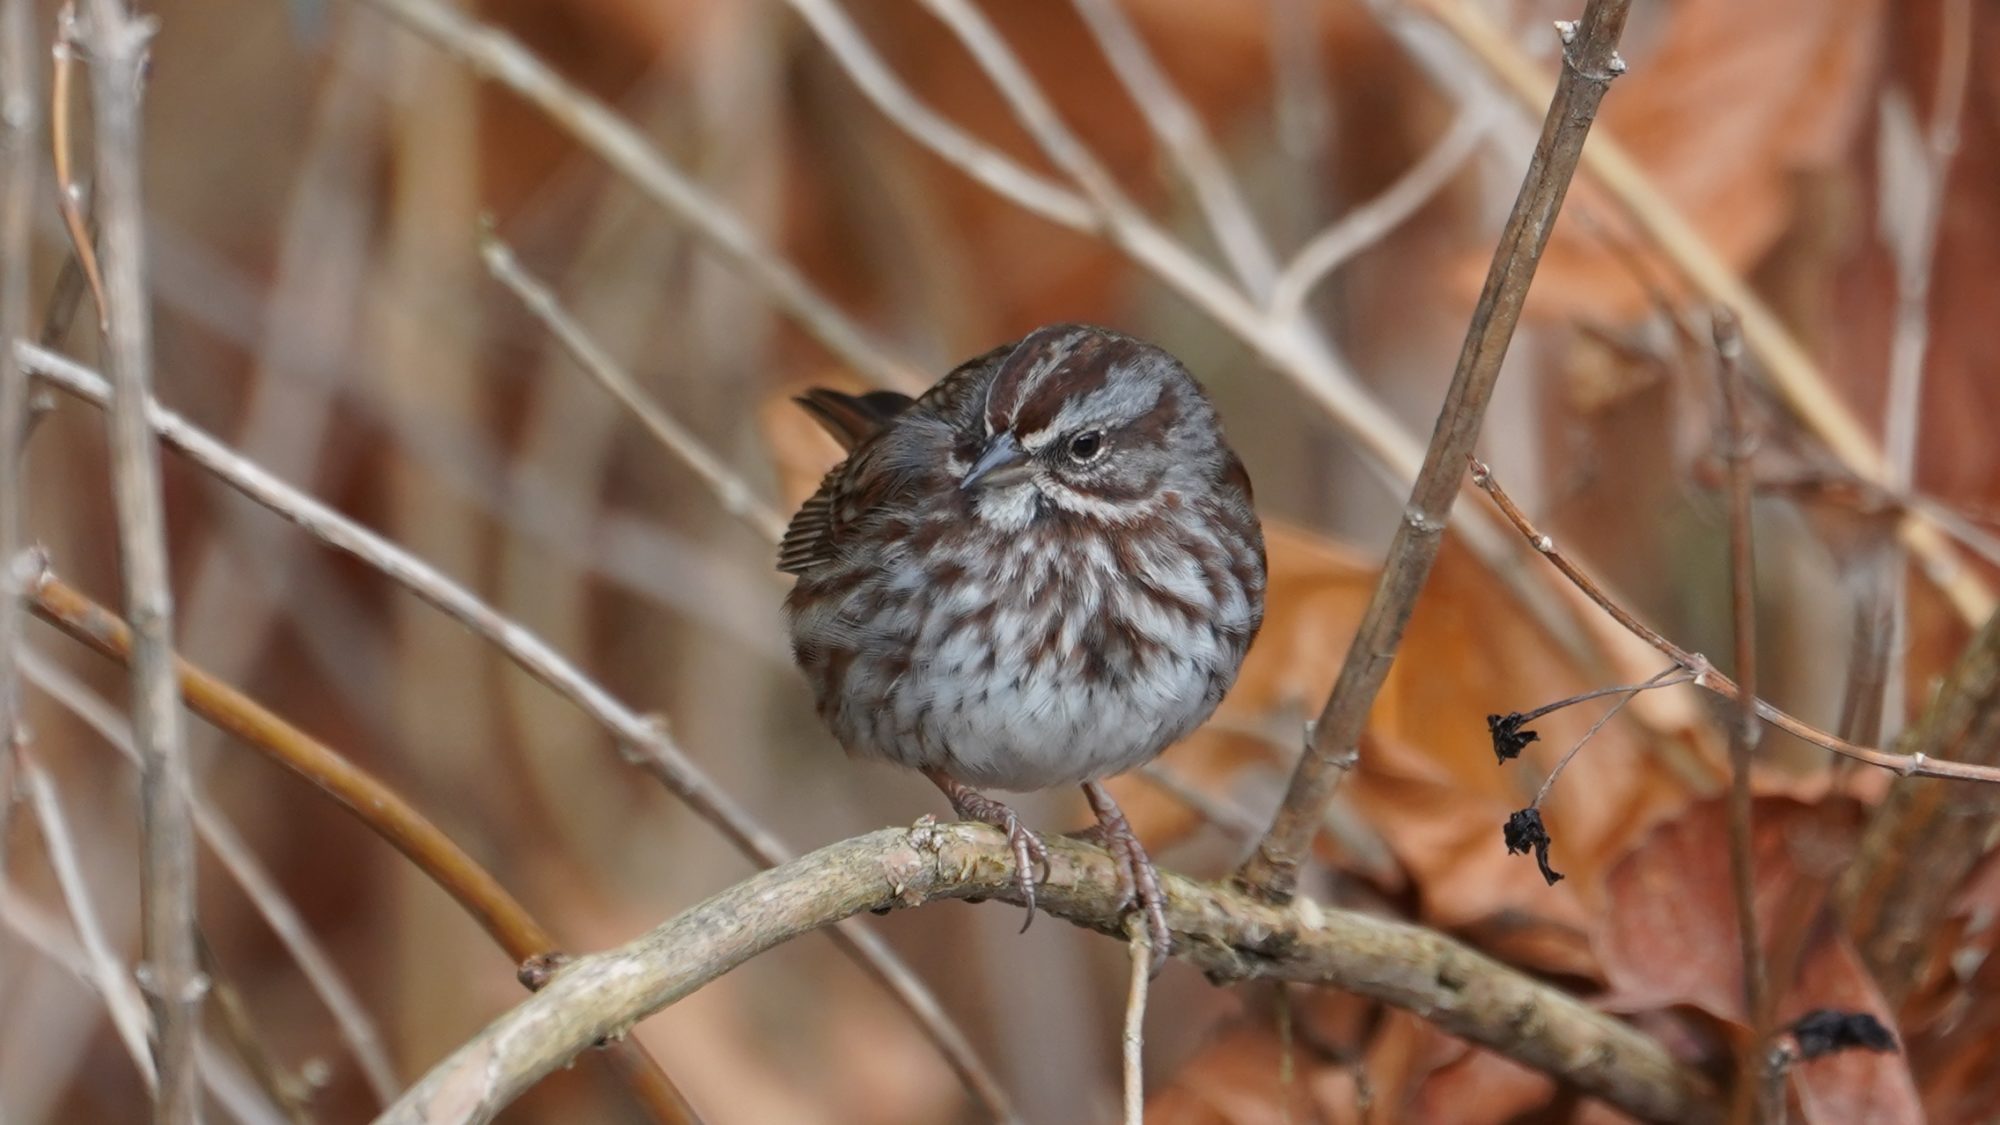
315	179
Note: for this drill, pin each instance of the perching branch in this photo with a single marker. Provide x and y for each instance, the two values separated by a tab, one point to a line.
644	740
1590	62
115	43
1229	935
375	804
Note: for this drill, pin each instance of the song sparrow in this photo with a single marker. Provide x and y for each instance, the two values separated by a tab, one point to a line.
1044	571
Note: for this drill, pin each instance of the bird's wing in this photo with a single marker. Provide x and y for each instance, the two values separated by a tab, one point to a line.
882	467
853	419
808	540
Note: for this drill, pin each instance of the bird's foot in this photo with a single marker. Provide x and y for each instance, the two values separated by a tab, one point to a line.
1138	880
1029	852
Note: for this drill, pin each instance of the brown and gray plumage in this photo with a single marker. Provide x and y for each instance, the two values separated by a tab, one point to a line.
1043	572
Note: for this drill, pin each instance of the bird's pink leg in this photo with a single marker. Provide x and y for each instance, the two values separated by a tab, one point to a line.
970	804
1138	880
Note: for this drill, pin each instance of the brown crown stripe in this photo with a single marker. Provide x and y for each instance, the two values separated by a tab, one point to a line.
1050	368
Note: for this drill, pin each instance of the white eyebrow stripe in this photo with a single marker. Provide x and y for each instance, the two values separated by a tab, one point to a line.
1120	400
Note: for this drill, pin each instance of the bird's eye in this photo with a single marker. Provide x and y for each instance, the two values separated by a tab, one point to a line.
1086	445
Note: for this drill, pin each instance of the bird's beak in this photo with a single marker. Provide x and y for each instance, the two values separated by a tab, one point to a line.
1003	461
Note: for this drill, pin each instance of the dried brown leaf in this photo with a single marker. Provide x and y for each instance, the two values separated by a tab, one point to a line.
1724	106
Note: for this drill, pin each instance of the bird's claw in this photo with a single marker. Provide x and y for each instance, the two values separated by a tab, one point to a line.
1029	851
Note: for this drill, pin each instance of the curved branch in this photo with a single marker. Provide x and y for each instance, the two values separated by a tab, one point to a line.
1225	933
376	805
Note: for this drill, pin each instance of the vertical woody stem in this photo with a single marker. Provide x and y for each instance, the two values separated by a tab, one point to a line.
115	43
1590	62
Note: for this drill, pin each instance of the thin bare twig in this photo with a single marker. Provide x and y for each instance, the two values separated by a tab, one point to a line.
1745	730
1925	838
248	574
1288	1051
1920	764
69	194
1669	678
1031	106
1176	126
10	769
1790	368
1227	934
18	168
1369	223
498	56
116	43
1031	192
1526	717
1914	177
643	739
43	931
315	963
128	1015
1301	104
1226	815
1910	222
38	929
376	805
734	493
288	1092
1132	1044
1590	53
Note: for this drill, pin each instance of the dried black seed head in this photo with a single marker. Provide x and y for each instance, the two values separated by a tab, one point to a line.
1826	1031
1525	832
1508	737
